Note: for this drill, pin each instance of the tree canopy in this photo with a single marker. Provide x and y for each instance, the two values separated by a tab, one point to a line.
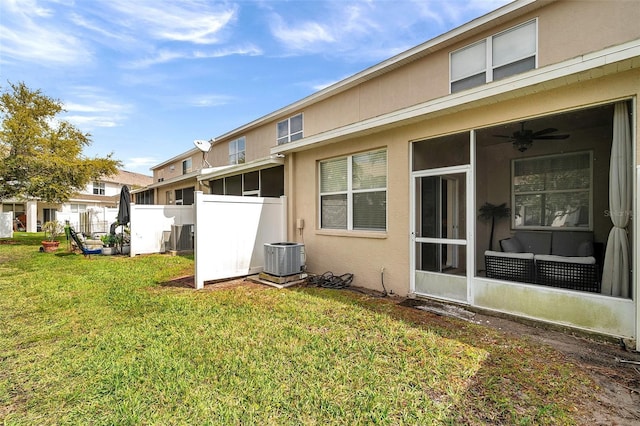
41	155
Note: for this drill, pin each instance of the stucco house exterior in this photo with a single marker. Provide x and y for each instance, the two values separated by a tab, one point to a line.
533	105
96	197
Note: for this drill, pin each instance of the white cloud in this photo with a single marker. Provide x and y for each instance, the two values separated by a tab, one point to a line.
193	21
302	36
140	164
91	109
165	56
32	33
343	28
210	100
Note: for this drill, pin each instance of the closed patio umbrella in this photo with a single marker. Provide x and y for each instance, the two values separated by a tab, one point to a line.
124	206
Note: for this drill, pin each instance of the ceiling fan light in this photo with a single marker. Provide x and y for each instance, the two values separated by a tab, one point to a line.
522	144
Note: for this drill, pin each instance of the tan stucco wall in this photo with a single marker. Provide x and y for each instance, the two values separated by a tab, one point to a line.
258	143
572	27
174	169
364	254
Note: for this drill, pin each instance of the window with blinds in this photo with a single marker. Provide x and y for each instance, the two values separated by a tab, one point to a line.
499	56
353	192
553	191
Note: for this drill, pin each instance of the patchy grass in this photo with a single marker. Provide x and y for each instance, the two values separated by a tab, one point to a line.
103	341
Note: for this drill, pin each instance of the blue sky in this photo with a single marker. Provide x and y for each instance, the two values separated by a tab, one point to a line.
146	78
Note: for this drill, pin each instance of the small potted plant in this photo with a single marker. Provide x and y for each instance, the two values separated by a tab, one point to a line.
52	231
109	242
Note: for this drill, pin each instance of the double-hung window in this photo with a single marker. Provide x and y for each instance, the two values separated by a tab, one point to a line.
186	166
237	151
554	191
98	188
499	56
353	192
290	130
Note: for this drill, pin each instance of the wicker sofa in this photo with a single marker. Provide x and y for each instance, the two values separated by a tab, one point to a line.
557	258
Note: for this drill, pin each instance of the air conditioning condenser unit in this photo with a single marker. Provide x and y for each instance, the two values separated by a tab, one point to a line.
282	259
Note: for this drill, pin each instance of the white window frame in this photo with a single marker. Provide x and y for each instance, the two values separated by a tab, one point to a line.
551	192
98	188
234	152
350	192
290	136
489	65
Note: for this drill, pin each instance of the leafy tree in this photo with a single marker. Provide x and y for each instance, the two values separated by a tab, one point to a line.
40	155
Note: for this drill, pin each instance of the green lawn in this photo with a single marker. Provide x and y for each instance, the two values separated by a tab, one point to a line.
104	341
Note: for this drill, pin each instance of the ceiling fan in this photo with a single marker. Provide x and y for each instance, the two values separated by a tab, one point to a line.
523	138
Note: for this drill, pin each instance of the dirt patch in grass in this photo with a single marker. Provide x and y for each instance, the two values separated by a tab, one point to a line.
614	369
188	281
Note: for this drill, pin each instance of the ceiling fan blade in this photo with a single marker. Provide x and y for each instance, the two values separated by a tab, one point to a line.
551	137
503	136
544	131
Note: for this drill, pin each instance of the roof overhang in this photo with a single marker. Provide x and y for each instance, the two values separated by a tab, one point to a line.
260	164
181	178
178	157
607	61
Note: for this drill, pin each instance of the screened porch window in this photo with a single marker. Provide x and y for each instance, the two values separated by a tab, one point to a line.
553	192
353	192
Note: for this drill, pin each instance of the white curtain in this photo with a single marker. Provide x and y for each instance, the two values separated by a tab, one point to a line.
615	278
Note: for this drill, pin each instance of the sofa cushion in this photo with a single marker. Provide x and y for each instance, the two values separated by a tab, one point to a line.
511	245
572	243
586	260
536	242
509	255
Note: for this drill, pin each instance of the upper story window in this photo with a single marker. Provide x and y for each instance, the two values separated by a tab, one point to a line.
501	55
353	192
553	191
290	130
186	166
237	151
98	188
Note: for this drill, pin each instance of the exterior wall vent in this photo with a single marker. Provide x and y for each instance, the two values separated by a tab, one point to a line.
283	259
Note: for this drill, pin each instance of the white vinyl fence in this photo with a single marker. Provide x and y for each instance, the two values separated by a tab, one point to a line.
230	234
6	225
151	226
95	220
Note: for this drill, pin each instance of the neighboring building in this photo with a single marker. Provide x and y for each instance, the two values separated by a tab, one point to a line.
386	170
239	169
96	197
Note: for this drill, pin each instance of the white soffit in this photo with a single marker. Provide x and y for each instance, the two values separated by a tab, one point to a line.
461	100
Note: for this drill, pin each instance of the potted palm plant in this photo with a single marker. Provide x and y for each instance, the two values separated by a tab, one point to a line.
493	212
52	231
